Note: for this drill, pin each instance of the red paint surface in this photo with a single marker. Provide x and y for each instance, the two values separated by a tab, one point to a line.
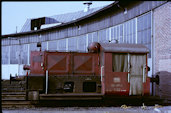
120	86
65	63
57	63
85	63
35	65
146	85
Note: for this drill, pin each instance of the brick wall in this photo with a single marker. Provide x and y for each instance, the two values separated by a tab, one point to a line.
162	49
162	36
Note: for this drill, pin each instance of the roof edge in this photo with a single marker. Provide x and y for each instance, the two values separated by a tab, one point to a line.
61	25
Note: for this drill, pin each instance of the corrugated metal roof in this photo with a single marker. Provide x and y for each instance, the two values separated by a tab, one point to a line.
128	48
90	13
63	18
26	26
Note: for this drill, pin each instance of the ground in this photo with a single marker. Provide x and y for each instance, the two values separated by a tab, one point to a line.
122	109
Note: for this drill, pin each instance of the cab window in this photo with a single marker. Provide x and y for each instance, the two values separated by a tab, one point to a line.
119	62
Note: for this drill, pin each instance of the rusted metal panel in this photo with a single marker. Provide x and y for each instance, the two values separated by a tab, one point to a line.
64	63
146	87
57	62
36	60
85	63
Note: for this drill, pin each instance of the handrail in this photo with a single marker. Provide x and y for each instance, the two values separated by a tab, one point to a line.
46	82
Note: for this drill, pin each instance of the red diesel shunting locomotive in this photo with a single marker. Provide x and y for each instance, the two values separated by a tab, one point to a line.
106	69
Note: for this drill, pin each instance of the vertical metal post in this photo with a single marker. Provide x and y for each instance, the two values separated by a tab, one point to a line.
110	34
66	44
136	31
19	61
28	54
119	33
152	86
153	49
9	55
143	74
102	67
46	82
27	86
47	45
123	41
128	67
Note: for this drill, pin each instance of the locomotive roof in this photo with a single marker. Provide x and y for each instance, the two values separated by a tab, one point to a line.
127	48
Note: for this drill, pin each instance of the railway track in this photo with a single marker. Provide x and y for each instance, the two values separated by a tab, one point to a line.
15	100
14	94
16	104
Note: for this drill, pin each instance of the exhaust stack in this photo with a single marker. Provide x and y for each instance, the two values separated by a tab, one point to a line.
87	4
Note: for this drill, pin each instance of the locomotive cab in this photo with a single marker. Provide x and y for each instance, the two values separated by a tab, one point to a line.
124	70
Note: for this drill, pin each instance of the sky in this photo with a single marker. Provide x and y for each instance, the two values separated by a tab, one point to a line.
15	14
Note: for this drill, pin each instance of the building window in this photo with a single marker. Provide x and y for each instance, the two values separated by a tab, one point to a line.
44	46
120	62
61	46
82	43
93	37
90	38
130	31
137	30
103	35
5	55
14	54
144	30
72	44
117	33
24	54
